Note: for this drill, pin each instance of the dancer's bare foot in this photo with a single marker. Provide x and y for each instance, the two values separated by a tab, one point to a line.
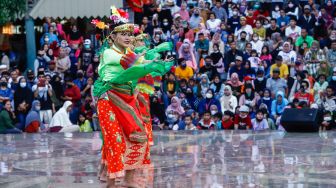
102	173
111	183
129	180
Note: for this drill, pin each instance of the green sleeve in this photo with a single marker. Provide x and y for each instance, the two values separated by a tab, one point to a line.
162	72
7	121
137	71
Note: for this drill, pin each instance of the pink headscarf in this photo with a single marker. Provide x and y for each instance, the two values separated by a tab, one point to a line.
176	107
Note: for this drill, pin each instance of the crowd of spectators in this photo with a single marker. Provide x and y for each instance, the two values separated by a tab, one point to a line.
239	65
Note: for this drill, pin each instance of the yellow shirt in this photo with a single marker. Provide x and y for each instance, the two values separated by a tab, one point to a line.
283	70
261	32
186	73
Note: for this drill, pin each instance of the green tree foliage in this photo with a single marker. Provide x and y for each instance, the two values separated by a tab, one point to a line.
11	10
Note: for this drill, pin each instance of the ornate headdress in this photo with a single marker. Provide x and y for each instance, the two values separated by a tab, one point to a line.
119	18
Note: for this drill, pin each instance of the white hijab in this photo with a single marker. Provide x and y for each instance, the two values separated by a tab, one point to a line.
61	118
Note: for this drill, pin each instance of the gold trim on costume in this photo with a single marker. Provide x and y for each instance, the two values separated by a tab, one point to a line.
124	28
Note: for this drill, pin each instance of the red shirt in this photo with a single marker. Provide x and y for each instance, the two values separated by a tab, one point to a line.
307	97
74	93
227	124
243	122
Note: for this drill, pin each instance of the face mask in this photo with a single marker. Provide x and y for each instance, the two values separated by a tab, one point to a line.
63	45
87	46
184	65
213	112
38	108
277	8
242	116
260	78
235	13
333	78
165	23
46	39
290	5
243	39
196	14
267	98
23	85
255	38
208	95
327	118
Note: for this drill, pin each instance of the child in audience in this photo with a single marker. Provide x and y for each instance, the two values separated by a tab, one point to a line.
242	120
206	123
227	122
259	123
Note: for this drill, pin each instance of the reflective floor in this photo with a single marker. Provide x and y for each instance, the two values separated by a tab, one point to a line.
180	160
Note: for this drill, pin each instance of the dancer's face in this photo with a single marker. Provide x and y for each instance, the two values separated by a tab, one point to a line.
122	39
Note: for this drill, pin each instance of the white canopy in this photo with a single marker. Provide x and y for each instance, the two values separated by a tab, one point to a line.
73	8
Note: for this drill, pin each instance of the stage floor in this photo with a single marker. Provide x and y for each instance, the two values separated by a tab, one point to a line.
180	160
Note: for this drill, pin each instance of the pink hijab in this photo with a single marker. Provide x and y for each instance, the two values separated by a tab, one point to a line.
176	107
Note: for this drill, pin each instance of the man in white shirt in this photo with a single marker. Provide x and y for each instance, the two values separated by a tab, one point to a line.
244	27
293	30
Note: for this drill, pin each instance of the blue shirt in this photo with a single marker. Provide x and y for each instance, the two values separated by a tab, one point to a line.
282	21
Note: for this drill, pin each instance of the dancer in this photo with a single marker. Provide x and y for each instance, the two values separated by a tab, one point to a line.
125	141
145	85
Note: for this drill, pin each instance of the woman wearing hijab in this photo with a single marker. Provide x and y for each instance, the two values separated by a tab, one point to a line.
74	38
23	93
175	106
228	101
235	84
288	56
203	86
7	118
218	87
58	91
216	39
186	51
209	100
33	121
61	120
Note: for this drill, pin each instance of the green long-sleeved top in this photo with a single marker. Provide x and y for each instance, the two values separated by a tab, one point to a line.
6	121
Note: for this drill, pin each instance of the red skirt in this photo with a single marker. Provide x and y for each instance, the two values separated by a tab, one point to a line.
144	103
119	116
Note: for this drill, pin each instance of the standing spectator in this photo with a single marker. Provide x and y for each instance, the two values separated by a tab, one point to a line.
275	83
183	71
74	38
41	60
242	120
33	121
49	37
228	101
6	118
209	100
86	56
43	92
63	62
72	93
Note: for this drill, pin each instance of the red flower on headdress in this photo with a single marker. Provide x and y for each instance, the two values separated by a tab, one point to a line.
123	13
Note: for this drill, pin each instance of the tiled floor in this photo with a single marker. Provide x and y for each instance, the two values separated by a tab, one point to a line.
180	160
